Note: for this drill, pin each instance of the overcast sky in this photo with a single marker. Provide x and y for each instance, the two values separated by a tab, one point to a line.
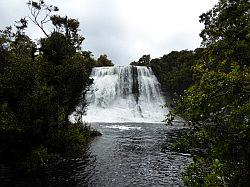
125	29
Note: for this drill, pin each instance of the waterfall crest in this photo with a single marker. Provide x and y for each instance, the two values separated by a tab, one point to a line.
124	94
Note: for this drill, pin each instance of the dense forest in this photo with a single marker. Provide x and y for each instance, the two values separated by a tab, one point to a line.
40	86
210	87
42	83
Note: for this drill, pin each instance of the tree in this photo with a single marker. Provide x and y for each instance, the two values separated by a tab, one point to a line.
69	27
104	61
217	104
226	33
56	48
39	92
143	61
134	63
174	70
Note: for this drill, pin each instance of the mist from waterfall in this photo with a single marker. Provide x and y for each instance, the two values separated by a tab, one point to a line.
124	94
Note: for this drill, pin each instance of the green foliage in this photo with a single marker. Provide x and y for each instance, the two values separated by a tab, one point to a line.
215	93
38	91
226	33
217	105
103	61
195	175
69	27
143	61
69	139
38	158
174	71
56	48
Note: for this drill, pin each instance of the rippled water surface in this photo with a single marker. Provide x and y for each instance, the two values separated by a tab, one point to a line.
126	155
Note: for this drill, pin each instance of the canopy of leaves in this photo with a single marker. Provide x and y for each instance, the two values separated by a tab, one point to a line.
226	33
69	27
212	85
40	86
143	61
174	70
217	104
103	61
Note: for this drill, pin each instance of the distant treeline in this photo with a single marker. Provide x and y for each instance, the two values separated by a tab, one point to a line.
174	70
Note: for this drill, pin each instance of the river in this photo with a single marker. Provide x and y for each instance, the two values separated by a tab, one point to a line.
134	149
127	154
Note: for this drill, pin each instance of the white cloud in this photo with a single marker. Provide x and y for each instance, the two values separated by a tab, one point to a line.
126	29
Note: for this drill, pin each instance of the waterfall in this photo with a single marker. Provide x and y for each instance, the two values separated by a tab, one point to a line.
124	94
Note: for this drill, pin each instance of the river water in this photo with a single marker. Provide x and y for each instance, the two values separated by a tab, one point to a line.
127	154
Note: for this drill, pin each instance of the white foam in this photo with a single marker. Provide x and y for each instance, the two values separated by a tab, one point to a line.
122	127
111	99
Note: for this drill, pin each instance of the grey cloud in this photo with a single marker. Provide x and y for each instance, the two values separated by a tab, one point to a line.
122	39
11	11
105	32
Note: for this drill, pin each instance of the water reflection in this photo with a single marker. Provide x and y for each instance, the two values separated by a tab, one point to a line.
126	155
72	172
66	172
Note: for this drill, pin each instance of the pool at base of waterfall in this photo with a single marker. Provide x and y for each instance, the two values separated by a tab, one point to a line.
127	154
134	149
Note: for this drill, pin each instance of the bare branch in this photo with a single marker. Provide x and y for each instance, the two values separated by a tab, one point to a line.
36	8
40	26
45	20
38	12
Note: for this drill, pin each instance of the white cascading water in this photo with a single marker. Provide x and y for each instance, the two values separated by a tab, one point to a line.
124	94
